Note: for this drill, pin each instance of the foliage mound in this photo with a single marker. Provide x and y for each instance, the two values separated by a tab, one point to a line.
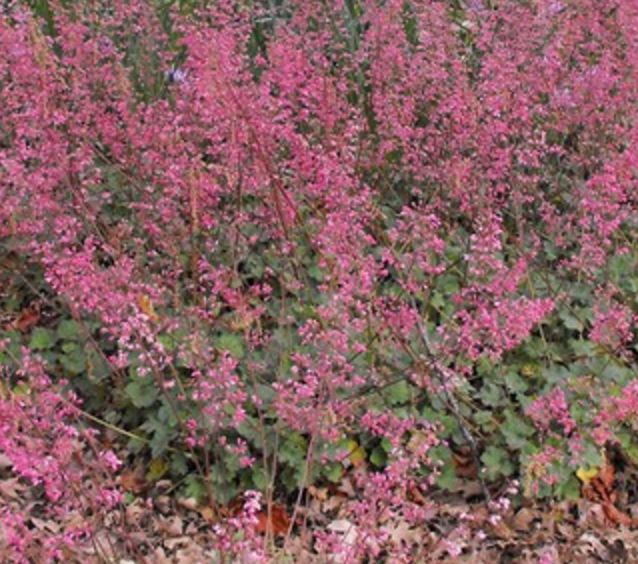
255	244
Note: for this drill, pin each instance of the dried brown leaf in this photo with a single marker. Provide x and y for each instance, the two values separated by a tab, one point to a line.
276	521
134	481
524	518
27	319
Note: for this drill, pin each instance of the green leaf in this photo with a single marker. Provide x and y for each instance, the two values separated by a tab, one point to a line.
142	392
583	348
231	343
436	416
68	330
69	347
516	431
249	430
486	420
99	367
42	338
260	478
379	457
592	456
351	452
572	322
179	464
292	478
136	445
74	361
316	273
442	455
447	479
632	452
161	436
265	393
556	374
292	449
517	383
195	488
333	471
166	414
157	469
497	462
569	489
171	341
492	395
398	393
386	445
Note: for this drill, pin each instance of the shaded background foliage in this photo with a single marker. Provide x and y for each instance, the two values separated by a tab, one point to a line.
256	237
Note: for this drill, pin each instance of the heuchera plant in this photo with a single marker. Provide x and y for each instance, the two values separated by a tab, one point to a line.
263	231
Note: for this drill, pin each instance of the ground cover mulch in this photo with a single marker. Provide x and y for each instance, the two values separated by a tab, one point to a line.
157	526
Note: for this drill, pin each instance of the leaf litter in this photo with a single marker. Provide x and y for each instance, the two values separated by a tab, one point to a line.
599	527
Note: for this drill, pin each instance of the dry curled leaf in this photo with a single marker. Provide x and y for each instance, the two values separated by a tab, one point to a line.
465	465
501	530
618	517
598	487
134	481
524	519
277	521
146	307
209	514
26	320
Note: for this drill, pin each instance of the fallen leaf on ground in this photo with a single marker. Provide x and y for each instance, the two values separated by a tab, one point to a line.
277	521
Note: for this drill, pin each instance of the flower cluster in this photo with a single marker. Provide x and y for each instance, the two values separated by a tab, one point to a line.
297	224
